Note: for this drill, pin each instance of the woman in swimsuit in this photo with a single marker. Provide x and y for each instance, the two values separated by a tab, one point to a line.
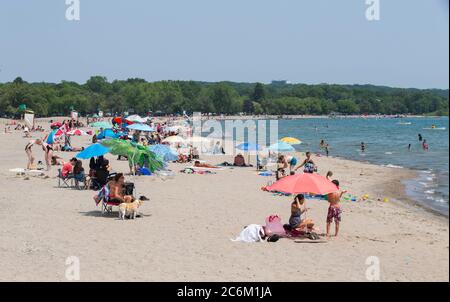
116	188
308	164
298	221
30	153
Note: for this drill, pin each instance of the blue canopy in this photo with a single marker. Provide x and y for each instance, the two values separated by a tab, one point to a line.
249	147
92	151
164	152
108	133
51	137
141	127
281	147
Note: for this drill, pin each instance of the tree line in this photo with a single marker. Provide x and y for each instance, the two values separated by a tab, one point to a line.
173	97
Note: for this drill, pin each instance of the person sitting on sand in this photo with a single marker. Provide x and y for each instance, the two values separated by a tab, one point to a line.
308	164
116	190
239	161
334	209
298	221
204	165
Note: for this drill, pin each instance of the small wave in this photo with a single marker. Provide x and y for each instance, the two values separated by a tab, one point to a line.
429	192
388	153
424	184
393	166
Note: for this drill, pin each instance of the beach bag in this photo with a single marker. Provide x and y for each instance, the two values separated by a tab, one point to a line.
274	226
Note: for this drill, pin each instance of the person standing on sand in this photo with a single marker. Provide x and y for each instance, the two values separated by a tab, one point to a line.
30	153
334	210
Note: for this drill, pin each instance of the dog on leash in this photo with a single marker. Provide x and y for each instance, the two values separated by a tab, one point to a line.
130	210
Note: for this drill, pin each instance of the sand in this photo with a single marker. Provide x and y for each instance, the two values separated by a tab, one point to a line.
185	231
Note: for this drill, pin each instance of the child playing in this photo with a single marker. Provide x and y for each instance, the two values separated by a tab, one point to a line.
334	211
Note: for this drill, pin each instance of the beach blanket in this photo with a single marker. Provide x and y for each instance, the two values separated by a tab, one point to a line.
205	169
21	170
252	233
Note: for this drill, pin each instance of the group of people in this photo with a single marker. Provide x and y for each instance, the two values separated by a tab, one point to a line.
289	162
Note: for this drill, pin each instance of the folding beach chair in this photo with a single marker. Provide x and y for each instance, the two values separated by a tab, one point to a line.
64	182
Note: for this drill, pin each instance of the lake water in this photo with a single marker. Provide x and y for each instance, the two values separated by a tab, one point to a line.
386	143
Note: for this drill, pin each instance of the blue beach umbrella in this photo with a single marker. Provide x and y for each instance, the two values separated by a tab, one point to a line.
164	152
249	147
51	137
281	147
141	127
108	133
92	151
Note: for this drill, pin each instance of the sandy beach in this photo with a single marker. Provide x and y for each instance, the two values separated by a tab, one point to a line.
185	231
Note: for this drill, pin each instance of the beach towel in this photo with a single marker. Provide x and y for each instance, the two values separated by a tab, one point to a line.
252	233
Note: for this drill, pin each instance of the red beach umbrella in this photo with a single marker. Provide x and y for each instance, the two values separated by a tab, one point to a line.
304	183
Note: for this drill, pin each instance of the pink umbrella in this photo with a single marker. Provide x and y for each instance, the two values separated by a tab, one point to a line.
77	132
304	183
56	125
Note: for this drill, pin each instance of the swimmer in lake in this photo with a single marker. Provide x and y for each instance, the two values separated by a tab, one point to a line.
420	137
363	147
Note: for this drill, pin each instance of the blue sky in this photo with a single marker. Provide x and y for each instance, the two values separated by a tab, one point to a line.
303	41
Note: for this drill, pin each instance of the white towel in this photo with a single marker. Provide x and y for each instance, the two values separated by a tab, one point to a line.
251	233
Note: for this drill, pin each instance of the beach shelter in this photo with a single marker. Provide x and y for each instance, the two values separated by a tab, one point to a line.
108	133
281	147
304	183
92	151
141	127
104	125
291	140
164	152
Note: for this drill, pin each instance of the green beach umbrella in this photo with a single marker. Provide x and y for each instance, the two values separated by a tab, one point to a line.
104	125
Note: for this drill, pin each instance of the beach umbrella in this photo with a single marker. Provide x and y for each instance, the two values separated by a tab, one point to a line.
291	140
55	125
108	133
137	154
304	183
104	125
164	152
51	137
136	119
141	127
77	132
281	147
92	151
249	147
175	139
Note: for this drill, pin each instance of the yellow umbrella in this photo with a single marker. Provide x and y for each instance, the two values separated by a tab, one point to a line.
291	140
